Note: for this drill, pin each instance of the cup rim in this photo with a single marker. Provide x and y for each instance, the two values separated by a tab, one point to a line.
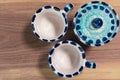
94	3
64	15
60	73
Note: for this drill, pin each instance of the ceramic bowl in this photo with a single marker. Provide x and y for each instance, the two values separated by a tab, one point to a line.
68	59
49	23
96	23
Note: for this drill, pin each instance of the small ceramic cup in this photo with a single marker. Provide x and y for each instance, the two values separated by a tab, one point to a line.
67	59
50	24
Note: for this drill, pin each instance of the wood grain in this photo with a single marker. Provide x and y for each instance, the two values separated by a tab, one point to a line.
23	57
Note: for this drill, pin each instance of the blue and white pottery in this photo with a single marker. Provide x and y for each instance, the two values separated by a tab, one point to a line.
68	59
96	23
50	24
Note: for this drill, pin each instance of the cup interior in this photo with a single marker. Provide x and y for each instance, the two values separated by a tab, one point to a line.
49	24
67	59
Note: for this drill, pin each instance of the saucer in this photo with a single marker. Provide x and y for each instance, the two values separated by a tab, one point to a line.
96	23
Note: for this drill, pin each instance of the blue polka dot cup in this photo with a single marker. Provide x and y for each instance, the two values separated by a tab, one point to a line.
96	23
67	59
50	24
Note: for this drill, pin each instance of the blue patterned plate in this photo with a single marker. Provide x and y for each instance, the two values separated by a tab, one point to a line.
96	23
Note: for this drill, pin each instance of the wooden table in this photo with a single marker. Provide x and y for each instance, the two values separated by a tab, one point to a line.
23	57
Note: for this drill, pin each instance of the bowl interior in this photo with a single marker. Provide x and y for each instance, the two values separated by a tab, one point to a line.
49	24
67	59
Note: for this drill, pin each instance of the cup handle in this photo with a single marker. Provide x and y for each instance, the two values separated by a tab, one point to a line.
90	64
68	8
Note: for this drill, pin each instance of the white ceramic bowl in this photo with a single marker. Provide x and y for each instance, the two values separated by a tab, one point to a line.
67	59
49	23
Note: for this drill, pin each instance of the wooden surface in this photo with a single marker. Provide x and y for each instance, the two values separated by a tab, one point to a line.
23	57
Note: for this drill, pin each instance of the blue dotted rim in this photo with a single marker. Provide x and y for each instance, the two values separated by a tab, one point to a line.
110	36
63	13
52	52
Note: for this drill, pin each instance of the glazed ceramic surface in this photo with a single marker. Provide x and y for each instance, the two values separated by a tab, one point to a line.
67	59
96	23
49	23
